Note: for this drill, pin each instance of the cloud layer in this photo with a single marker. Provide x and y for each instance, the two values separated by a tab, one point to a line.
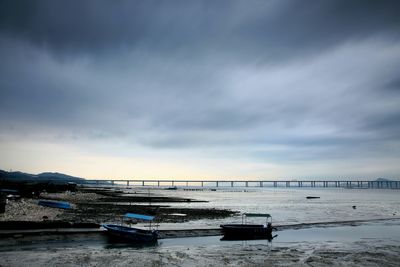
271	87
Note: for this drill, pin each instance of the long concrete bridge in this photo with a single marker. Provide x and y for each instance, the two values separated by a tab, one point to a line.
252	183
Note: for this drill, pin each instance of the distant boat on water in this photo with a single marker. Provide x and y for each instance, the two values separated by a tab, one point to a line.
171	188
55	204
309	197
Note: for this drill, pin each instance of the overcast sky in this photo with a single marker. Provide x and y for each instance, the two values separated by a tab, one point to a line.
201	89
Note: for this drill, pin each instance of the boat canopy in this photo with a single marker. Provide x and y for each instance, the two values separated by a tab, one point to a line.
139	216
257	215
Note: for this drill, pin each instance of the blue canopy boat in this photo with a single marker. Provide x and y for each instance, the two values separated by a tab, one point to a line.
246	231
133	234
55	204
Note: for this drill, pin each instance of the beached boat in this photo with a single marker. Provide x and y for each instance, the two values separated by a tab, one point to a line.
55	204
133	234
248	231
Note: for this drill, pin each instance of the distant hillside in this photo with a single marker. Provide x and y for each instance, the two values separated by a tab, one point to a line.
42	177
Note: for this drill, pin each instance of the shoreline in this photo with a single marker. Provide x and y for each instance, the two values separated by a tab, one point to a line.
182	233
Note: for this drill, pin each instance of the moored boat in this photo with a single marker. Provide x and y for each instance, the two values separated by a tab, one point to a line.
132	234
248	231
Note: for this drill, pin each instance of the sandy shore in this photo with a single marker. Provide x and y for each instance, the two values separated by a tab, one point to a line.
99	206
28	210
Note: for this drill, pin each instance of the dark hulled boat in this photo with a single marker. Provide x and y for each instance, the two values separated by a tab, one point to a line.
132	234
246	231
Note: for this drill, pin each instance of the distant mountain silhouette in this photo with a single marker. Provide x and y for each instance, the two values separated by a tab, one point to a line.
53	177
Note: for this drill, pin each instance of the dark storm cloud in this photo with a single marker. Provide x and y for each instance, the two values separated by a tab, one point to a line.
315	77
258	29
393	86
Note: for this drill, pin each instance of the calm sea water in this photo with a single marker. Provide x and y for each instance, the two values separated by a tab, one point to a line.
290	206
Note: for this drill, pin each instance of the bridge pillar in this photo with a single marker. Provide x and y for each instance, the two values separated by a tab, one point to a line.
217	183
187	183
127	183
202	184
247	184
275	184
142	183
231	183
158	183
261	184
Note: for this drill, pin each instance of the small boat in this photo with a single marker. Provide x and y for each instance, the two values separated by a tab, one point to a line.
171	188
309	197
246	231
133	234
55	204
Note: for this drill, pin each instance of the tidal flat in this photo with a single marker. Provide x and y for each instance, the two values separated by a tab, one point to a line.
321	232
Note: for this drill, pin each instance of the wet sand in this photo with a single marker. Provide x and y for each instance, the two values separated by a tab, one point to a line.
89	250
361	254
